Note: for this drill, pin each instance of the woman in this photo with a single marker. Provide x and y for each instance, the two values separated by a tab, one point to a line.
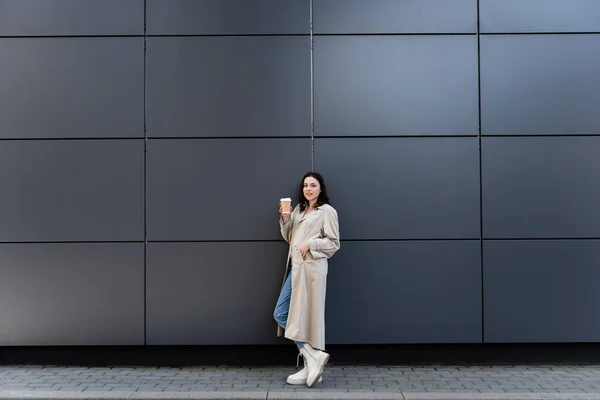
312	232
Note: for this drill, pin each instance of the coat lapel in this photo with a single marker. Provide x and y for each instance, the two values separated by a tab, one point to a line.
310	219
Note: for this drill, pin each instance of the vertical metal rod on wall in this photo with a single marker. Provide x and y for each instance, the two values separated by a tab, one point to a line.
145	179
480	174
312	91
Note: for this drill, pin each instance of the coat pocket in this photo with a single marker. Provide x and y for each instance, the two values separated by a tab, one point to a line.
297	255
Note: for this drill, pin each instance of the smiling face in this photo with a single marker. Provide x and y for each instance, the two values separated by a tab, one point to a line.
311	190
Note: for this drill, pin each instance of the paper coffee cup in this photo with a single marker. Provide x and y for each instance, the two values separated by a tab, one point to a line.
286	205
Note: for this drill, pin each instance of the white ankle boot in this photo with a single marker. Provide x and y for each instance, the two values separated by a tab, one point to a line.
300	377
315	360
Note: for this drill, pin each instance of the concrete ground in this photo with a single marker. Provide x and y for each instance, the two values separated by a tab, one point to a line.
339	382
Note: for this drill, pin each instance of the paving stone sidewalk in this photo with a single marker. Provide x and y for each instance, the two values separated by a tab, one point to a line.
373	382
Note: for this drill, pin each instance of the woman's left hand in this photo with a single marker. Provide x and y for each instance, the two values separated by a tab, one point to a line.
304	247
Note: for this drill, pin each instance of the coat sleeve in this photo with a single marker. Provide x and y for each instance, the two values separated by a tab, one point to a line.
286	227
329	242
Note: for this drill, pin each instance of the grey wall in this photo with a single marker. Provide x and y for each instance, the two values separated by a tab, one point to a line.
144	146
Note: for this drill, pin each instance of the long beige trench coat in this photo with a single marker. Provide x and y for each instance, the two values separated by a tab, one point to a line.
320	228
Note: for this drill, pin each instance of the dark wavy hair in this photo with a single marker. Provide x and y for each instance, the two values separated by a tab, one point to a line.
323	197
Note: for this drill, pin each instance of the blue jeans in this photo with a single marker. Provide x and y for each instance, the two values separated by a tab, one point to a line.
283	305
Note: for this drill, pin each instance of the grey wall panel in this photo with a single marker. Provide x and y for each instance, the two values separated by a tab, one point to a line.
217	17
539	16
396	85
541	187
71	190
541	291
71	17
394	16
72	294
391	188
404	292
213	293
248	86
72	87
540	84
213	189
